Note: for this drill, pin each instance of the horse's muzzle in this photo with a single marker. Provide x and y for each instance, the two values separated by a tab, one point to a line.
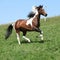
46	14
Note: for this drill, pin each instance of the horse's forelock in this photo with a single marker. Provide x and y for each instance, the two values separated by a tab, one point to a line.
41	6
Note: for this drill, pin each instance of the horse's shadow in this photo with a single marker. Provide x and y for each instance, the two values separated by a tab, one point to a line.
42	41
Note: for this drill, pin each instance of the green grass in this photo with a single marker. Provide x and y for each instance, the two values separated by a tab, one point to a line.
49	50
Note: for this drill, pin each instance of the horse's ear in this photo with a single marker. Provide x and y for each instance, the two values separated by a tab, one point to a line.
41	6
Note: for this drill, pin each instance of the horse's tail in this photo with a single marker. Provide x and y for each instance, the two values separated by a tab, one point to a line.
9	31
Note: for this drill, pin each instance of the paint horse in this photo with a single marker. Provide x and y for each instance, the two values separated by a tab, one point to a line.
22	25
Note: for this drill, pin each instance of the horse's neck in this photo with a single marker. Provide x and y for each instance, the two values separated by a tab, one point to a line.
38	20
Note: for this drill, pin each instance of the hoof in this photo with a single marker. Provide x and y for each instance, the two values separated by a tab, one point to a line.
28	40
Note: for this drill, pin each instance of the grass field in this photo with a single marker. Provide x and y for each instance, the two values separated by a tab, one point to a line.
49	50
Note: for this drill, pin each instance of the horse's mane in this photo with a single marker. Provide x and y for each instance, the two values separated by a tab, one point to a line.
31	14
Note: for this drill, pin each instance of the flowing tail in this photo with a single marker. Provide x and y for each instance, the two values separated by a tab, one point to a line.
9	31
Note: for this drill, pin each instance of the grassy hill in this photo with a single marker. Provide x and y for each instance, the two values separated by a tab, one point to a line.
49	50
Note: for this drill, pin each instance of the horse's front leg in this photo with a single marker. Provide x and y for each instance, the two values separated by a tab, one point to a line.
40	31
41	34
24	36
18	36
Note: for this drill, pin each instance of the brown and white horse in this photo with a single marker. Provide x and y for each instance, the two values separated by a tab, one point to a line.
24	25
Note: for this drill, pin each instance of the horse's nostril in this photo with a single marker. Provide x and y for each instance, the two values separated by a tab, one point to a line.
46	14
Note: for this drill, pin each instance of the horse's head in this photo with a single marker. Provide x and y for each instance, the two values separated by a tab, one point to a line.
41	10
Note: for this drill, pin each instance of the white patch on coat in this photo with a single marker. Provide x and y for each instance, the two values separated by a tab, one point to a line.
31	19
13	26
18	38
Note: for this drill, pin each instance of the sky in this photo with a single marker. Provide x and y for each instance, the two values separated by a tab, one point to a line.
12	10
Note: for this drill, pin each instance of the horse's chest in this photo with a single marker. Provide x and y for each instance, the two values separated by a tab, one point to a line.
29	21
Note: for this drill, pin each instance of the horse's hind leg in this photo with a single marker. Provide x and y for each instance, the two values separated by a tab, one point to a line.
18	36
24	36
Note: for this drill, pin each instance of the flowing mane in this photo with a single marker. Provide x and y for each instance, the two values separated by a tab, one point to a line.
31	14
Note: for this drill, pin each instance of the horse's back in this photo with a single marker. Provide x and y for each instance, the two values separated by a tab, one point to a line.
19	23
